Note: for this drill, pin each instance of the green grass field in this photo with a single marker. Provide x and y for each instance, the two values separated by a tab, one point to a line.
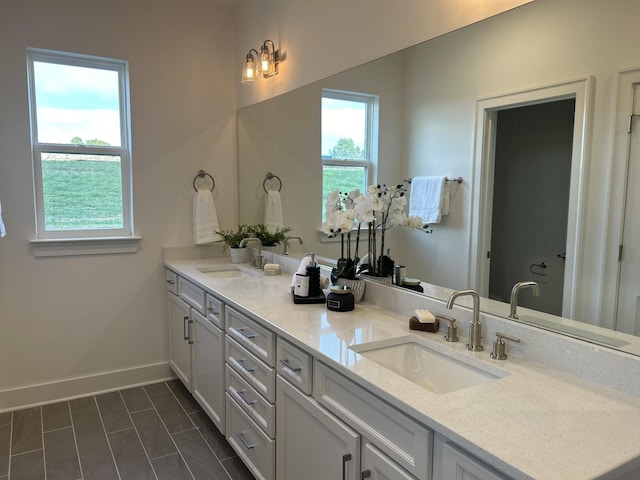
82	194
344	179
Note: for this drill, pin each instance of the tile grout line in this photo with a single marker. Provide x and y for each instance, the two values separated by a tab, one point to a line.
44	456
75	439
10	445
200	433
167	430
133	425
104	430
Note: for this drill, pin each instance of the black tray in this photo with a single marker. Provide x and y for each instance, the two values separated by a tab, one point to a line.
315	299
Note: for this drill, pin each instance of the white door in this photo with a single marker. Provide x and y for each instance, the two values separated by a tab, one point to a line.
628	311
311	443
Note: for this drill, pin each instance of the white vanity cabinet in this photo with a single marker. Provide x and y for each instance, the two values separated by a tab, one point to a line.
451	461
196	344
311	442
180	331
250	392
392	441
208	372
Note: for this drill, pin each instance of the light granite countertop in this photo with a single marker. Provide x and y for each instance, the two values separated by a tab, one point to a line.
536	422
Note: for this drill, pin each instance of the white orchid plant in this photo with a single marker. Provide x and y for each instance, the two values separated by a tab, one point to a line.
380	208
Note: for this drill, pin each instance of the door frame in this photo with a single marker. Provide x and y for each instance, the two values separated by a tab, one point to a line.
627	79
483	176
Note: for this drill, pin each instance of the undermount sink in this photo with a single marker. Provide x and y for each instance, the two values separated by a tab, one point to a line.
411	358
228	271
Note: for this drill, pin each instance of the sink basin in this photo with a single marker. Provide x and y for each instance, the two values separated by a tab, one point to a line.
414	360
228	271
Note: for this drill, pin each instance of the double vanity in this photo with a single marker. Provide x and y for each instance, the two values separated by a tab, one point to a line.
303	392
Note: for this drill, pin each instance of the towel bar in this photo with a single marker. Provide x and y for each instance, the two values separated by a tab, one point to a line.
271	176
457	180
202	174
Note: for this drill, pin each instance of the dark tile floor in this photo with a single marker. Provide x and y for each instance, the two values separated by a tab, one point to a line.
156	432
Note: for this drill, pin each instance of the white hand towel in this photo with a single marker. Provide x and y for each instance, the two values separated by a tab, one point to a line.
429	198
273	211
205	218
3	231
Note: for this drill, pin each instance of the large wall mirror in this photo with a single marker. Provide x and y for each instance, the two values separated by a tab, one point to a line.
522	106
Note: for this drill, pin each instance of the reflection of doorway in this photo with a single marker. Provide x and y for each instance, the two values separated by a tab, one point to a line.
532	174
628	304
483	184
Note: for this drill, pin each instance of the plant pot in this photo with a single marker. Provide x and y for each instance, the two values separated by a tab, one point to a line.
357	287
238	255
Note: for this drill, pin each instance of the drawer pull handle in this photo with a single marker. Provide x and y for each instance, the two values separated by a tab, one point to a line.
365	474
345	458
285	362
185	335
189	323
240	435
213	311
171	282
247	335
241	395
241	362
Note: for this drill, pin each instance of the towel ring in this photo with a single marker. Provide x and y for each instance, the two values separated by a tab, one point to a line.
271	176
202	174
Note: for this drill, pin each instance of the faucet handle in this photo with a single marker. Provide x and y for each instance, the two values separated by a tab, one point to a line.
499	347
452	329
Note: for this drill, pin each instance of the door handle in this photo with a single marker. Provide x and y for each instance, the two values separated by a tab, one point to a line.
345	458
184	328
562	255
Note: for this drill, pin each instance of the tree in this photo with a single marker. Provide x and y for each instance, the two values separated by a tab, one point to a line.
93	141
347	149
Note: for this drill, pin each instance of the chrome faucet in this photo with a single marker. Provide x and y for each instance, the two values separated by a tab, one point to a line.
514	295
258	257
475	329
285	251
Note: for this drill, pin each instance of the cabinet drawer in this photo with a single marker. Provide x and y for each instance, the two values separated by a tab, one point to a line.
256	373
260	410
294	365
172	281
215	311
405	441
257	339
250	443
191	294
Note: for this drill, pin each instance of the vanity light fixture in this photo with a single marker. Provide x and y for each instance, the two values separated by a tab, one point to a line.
267	63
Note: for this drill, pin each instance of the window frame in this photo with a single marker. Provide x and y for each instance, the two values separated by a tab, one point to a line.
370	162
123	151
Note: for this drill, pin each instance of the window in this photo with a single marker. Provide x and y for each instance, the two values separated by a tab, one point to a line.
80	142
349	141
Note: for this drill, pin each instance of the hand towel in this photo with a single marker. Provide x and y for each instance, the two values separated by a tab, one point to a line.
3	231
429	198
205	218
273	211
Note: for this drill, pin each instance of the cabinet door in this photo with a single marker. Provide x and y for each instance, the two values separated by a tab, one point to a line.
180	327
377	466
456	465
208	369
310	442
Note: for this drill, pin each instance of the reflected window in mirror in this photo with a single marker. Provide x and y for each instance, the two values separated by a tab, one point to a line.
349	141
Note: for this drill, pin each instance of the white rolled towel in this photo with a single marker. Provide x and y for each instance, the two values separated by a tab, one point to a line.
205	218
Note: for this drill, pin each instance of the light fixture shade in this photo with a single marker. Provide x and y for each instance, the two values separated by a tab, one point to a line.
267	59
249	70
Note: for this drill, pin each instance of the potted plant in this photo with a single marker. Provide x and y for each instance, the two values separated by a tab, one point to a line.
232	238
268	239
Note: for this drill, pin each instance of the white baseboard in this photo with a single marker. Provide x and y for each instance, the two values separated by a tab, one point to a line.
68	389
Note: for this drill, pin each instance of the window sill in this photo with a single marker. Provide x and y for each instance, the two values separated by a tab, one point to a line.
60	247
